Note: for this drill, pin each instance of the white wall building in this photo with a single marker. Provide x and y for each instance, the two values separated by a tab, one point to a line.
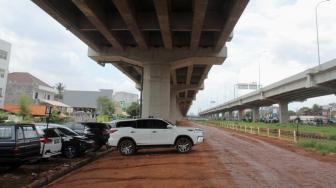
5	48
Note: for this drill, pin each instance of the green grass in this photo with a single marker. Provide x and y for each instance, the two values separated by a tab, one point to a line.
325	130
323	146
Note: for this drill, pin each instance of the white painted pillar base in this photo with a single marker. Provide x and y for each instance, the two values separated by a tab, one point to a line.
156	91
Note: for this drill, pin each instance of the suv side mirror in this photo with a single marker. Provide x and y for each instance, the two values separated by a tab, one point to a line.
170	126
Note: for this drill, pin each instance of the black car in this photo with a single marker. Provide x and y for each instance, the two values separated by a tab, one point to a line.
99	132
73	144
19	143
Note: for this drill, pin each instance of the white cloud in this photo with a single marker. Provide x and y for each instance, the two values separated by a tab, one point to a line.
278	34
281	36
41	46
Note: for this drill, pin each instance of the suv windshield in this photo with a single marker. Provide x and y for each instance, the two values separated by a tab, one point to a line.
6	133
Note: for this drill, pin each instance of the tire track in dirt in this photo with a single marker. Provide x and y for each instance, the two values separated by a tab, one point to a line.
255	163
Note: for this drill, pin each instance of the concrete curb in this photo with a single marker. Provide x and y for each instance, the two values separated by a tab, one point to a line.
43	181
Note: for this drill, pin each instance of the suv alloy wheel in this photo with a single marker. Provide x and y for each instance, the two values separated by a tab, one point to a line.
183	145
126	147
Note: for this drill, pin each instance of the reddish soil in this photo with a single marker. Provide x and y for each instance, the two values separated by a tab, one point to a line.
224	160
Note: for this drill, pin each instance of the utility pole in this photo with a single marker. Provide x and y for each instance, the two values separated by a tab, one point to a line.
317	30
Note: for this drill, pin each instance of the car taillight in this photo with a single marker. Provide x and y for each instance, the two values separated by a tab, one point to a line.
45	140
113	131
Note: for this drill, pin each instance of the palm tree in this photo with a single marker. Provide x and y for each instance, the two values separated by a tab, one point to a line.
60	89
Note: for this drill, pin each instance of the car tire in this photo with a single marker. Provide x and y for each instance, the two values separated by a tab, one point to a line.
15	166
126	147
70	151
183	145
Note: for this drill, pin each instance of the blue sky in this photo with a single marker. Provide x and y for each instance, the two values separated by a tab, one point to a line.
278	34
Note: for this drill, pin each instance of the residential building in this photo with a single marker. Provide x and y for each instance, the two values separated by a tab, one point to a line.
124	98
23	83
85	101
5	48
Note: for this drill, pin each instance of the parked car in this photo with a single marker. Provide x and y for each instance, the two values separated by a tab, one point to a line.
332	121
51	141
19	143
99	132
130	135
73	144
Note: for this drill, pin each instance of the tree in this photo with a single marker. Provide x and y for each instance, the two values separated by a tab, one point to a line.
304	111
133	110
55	116
316	109
105	106
291	113
60	90
3	116
24	109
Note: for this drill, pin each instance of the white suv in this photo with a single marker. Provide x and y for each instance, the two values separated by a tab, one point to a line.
130	135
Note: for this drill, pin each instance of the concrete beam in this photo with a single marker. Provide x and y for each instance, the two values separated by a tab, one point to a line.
137	82
147	21
97	16
200	7
235	11
184	87
161	7
189	74
177	58
127	13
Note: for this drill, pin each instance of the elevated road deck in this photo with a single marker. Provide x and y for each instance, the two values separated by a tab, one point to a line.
314	82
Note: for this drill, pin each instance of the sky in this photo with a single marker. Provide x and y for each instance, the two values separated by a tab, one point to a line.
280	35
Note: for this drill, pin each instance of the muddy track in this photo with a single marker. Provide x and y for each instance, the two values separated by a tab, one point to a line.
224	160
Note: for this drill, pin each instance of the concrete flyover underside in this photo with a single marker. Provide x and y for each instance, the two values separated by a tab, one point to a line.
167	47
314	82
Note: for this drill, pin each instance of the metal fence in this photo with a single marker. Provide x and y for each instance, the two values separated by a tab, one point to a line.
291	135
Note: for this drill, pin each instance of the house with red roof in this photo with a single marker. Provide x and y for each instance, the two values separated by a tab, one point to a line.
23	83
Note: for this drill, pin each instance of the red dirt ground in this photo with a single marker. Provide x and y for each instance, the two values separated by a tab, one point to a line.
226	159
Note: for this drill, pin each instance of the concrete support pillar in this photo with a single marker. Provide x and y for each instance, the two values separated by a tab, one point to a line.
283	112
255	114
240	114
175	112
230	115
156	91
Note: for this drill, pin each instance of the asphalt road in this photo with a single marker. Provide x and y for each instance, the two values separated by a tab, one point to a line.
224	160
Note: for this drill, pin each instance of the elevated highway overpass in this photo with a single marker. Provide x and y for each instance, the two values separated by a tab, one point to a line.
167	47
314	82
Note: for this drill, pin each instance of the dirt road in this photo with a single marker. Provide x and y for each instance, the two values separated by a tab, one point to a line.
224	160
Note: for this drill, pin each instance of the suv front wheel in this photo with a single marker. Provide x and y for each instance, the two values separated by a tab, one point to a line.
183	145
126	147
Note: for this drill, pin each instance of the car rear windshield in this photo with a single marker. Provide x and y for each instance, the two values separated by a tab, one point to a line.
7	133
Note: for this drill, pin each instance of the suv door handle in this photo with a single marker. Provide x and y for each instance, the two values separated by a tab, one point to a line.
132	131
153	131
